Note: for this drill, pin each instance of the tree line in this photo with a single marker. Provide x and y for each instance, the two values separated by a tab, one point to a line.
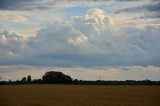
54	77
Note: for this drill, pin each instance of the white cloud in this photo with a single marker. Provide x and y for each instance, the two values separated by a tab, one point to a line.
11	18
11	44
78	40
62	44
94	21
26	33
56	38
141	68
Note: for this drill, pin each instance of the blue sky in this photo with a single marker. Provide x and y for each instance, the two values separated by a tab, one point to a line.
114	39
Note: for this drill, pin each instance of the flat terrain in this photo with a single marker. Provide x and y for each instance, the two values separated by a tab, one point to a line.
79	95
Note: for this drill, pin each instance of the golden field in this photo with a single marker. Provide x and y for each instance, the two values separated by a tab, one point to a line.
79	95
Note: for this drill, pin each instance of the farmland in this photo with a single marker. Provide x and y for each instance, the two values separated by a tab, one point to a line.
78	95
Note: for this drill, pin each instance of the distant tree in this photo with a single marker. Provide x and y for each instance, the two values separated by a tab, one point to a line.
29	79
9	82
23	80
17	82
148	82
37	81
56	77
76	81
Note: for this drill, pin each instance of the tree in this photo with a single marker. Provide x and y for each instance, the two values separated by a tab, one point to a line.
56	78
76	81
28	79
23	80
37	81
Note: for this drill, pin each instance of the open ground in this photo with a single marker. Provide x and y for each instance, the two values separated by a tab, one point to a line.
79	95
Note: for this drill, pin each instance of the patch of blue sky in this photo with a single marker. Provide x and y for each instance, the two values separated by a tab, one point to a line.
73	11
111	7
4	27
10	26
107	7
20	26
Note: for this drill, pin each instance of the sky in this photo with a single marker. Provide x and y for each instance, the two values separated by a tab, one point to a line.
86	39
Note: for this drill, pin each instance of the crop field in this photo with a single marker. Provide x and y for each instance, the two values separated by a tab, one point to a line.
79	95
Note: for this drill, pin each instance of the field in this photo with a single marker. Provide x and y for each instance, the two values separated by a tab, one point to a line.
79	95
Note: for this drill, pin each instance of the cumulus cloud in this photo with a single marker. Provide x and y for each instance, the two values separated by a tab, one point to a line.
11	44
61	38
61	44
10	38
95	20
26	33
113	48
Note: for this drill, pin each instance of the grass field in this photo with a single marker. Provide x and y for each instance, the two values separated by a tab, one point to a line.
79	95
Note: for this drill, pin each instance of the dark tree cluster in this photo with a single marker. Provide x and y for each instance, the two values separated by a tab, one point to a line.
126	82
55	77
51	77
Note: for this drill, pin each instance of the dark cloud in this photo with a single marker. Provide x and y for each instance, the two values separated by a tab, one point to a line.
22	4
13	4
40	4
104	0
152	7
151	10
